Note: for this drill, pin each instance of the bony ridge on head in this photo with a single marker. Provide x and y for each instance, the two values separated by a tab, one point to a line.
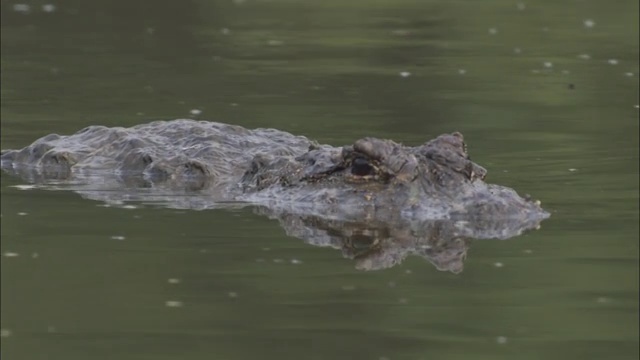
397	162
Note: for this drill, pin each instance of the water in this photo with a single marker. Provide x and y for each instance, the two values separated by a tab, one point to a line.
545	93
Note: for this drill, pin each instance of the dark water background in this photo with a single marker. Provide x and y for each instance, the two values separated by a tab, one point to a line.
545	92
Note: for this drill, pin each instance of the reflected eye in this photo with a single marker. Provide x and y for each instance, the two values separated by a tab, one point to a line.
361	167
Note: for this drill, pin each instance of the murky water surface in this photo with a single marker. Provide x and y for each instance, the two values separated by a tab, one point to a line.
545	93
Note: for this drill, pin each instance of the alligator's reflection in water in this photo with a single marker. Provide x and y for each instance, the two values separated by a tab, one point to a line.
373	243
377	244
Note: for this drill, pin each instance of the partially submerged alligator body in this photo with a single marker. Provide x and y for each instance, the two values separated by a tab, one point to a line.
375	200
370	179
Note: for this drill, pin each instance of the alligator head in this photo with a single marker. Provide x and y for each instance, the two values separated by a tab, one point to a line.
434	180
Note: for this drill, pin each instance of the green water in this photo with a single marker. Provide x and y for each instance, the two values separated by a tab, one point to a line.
547	103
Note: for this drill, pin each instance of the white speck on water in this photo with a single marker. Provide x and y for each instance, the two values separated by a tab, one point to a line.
22	8
535	71
405	74
547	64
130	207
400	32
565	72
462	71
636	106
629	74
521	6
584	56
35	255
23	214
588	23
195	111
266	249
174	281
498	264
501	340
139	114
48	8
573	169
403	301
517	50
173	303
278	261
603	300
234	104
117	237
5	332
296	262
151	30
348	287
505	171
25	187
275	42
528	251
225	31
11	254
51	329
612	61
493	31
391	284
232	294
408	271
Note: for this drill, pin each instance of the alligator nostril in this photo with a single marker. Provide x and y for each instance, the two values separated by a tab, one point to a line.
147	159
361	167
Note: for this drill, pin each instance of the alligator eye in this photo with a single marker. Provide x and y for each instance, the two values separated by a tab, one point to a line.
361	167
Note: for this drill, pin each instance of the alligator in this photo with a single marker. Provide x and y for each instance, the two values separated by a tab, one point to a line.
376	200
369	179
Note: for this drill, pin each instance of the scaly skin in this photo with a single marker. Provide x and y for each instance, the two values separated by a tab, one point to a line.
370	179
